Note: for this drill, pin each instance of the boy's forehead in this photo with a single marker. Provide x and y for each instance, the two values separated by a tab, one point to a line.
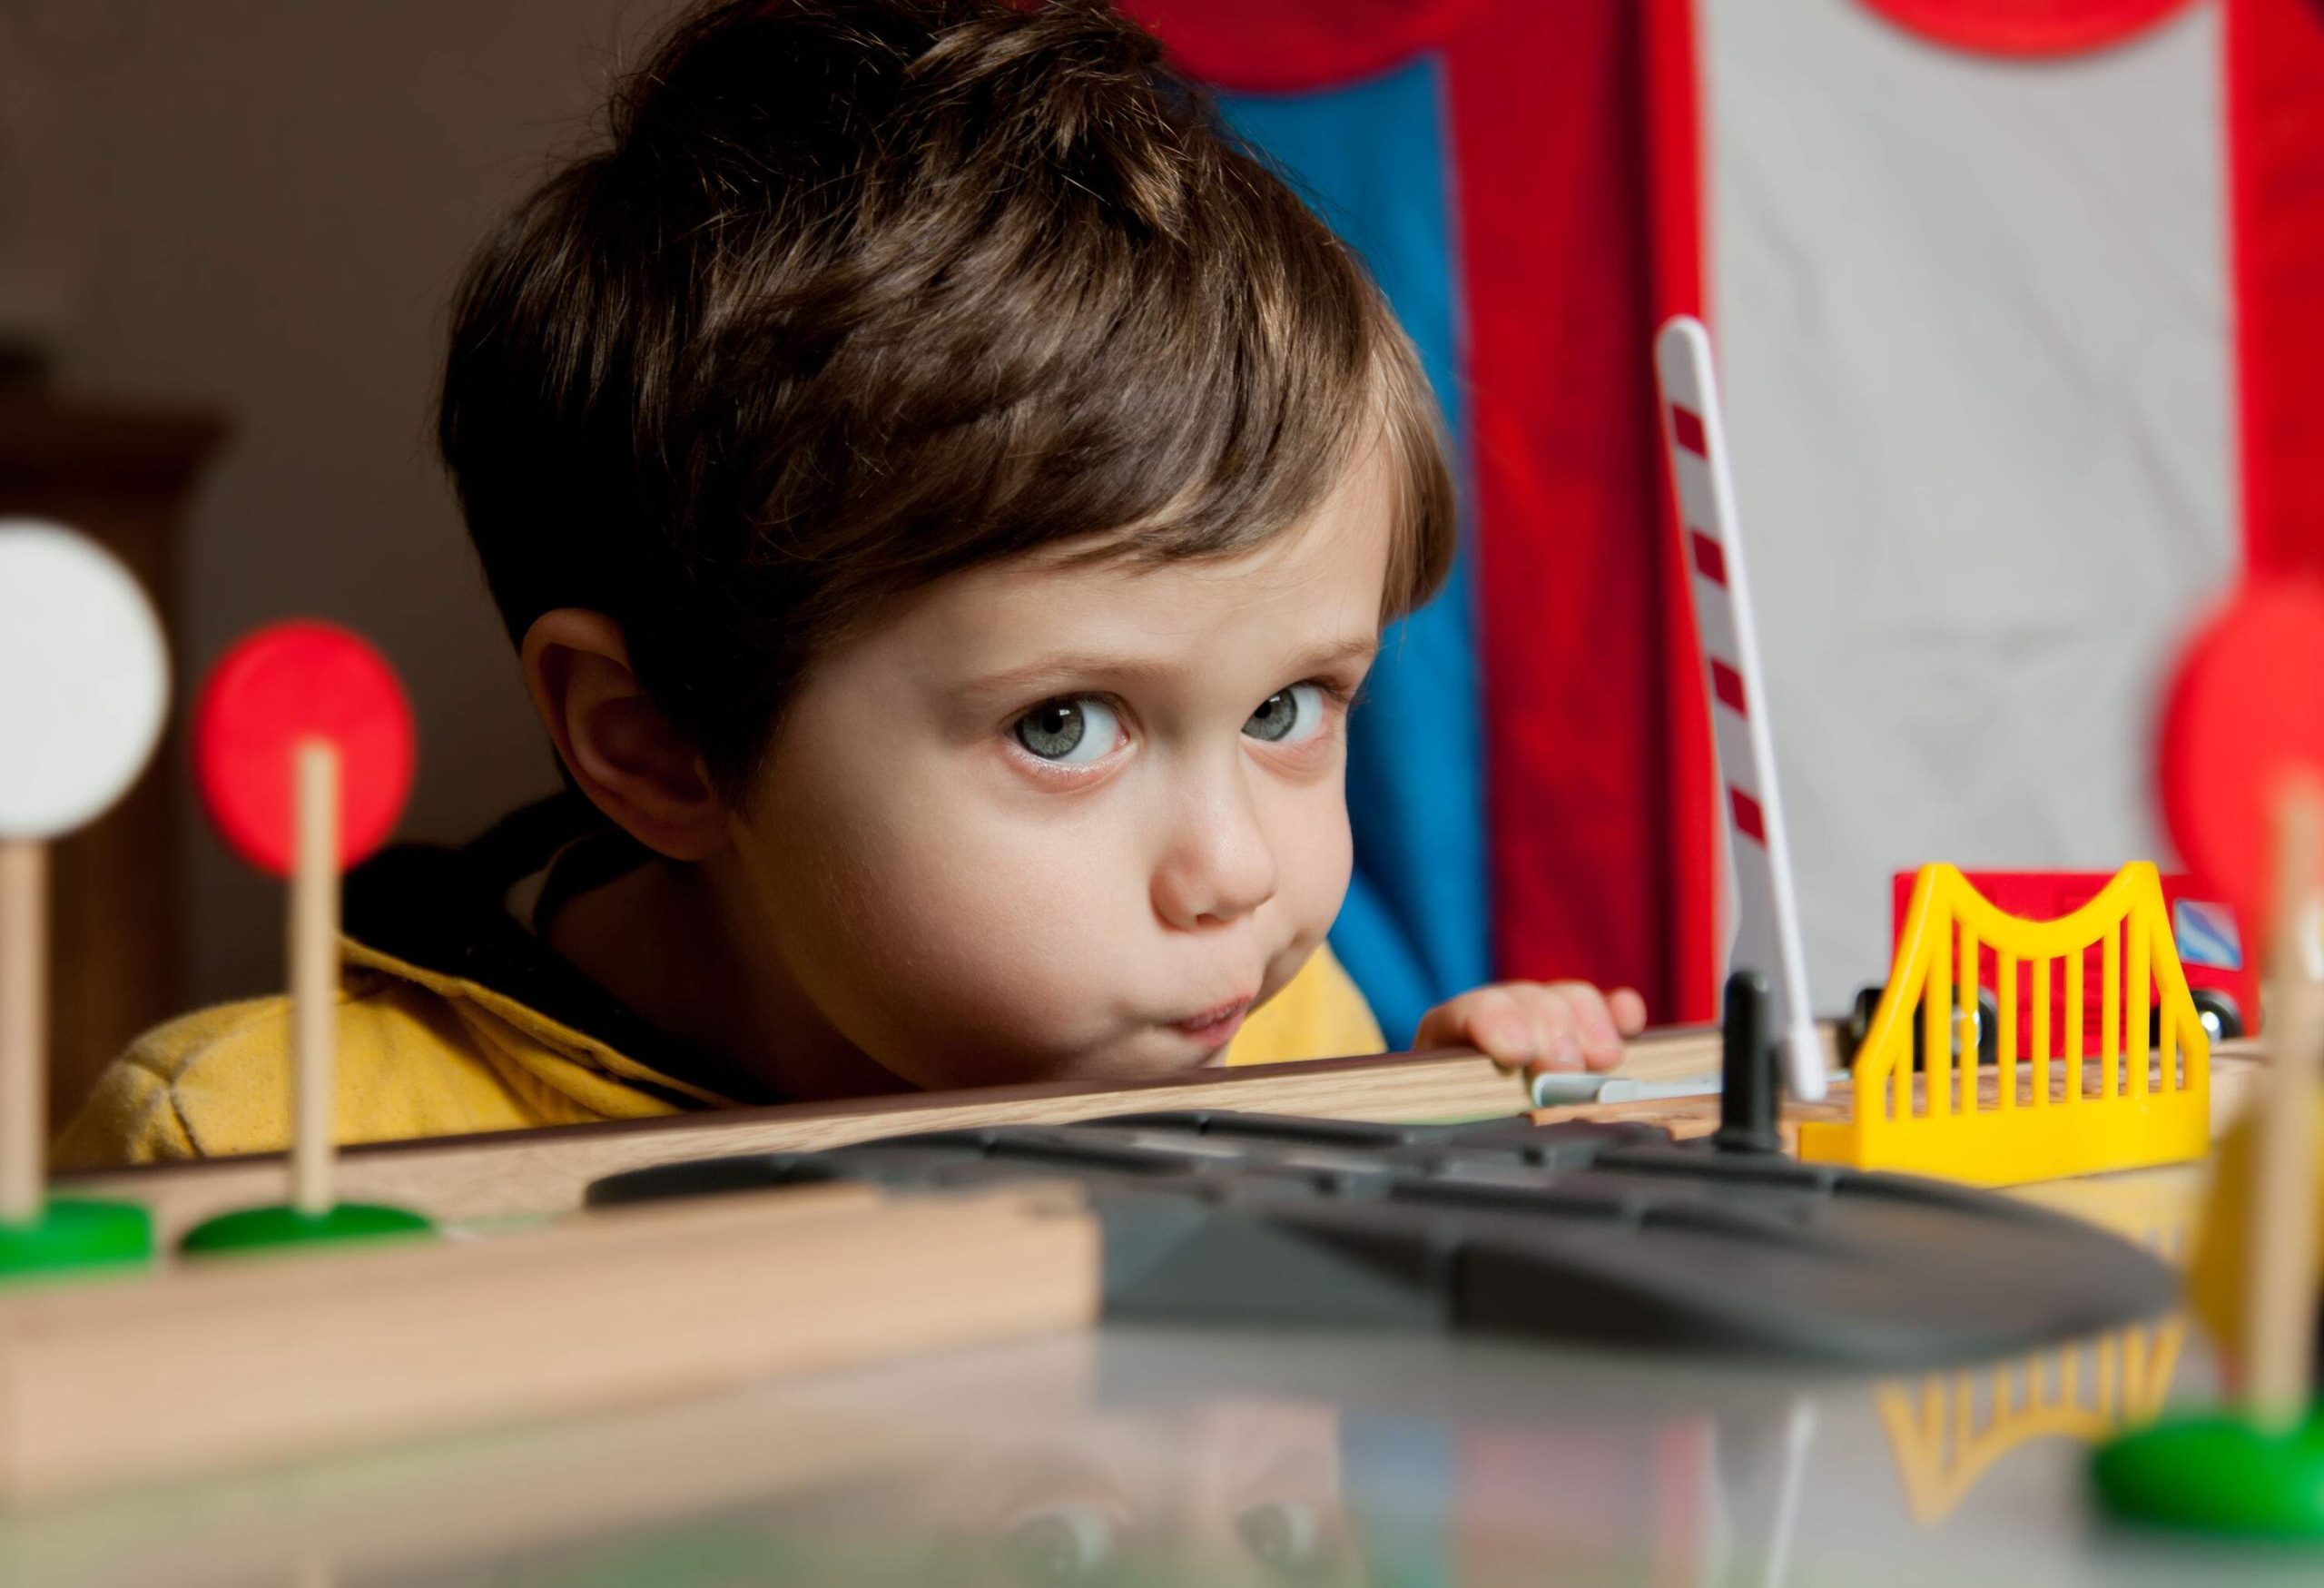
1309	596
1320	580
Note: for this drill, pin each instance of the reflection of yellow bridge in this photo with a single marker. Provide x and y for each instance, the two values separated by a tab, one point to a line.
1944	1444
2089	1108
1949	1430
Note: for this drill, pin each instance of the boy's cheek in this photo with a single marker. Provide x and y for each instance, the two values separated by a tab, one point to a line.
1317	857
959	940
950	961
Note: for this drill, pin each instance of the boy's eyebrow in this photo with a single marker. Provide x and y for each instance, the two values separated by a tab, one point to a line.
1066	665
1360	647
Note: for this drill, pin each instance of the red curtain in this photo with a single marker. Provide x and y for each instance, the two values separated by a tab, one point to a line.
2275	125
1599	780
1574	130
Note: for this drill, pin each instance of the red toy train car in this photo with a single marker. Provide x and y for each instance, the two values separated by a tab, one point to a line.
2221	978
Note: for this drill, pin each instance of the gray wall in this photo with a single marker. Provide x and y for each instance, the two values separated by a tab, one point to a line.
261	205
1974	316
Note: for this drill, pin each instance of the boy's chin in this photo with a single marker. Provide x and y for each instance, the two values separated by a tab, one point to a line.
1147	1055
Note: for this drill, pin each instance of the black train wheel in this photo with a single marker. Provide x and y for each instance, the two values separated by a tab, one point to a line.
2218	1014
2215	1008
1985	1020
1856	1025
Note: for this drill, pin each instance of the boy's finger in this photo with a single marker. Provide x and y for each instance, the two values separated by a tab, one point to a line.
1601	1044
1499	1024
1488	1019
1557	1040
1629	1011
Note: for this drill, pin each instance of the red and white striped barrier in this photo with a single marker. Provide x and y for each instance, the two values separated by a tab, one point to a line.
1766	934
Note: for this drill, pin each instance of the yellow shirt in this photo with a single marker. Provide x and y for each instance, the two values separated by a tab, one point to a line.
425	1053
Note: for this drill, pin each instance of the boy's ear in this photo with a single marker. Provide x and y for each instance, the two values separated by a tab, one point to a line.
631	761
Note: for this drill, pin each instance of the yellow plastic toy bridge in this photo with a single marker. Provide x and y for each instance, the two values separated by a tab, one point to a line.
2103	1105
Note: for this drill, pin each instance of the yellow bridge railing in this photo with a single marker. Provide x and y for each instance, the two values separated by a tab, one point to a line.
2075	1100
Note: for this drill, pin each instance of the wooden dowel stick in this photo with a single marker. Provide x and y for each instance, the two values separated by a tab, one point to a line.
314	974
24	1028
2280	1233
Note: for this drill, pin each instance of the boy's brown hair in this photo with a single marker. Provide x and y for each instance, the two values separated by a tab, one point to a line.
861	292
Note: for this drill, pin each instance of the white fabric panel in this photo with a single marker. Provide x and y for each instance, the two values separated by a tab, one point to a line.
1972	319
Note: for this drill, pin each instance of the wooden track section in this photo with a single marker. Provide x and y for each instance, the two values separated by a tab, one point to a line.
269	1357
519	1173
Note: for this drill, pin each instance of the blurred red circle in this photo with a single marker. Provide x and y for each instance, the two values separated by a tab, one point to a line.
287	683
2026	27
2245	711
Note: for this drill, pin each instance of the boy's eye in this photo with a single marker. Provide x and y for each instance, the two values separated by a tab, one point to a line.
1062	1544
1071	731
1288	716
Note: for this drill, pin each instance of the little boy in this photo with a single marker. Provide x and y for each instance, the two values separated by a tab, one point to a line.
946	497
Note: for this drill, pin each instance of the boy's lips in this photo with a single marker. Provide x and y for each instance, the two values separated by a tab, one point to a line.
1212	1027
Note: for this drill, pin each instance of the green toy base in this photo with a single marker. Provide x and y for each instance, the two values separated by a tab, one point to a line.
2218	1475
72	1237
258	1229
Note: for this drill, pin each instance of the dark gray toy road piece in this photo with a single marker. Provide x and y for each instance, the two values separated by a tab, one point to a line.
1609	1234
1575	1232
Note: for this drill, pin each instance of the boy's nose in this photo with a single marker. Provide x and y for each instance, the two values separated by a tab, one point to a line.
1218	867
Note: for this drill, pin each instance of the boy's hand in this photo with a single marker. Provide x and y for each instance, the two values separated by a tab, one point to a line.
1537	1025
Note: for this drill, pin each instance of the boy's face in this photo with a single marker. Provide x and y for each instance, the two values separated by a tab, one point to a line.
1055	820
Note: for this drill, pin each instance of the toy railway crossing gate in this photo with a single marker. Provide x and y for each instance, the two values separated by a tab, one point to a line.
2059	1104
1767	908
